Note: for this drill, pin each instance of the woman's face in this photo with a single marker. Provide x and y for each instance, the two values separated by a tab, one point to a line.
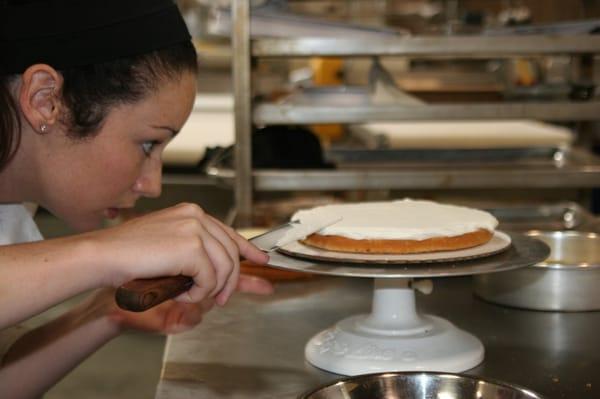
88	180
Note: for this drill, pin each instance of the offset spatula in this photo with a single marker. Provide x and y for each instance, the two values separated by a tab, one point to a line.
143	294
289	233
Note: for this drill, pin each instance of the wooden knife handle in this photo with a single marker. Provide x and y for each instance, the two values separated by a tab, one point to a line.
143	294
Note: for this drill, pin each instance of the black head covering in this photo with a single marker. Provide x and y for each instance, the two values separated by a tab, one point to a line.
70	33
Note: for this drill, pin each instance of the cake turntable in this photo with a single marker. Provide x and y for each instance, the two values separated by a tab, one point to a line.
395	336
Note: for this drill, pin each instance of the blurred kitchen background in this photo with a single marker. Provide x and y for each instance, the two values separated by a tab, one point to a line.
364	126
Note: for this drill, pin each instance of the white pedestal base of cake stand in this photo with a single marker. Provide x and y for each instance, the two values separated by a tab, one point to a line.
393	337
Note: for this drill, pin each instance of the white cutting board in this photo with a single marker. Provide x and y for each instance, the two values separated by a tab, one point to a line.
472	134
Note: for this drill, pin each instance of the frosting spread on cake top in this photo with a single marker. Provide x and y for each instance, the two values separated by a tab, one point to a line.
398	220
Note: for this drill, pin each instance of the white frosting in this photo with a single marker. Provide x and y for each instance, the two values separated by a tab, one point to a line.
302	230
401	220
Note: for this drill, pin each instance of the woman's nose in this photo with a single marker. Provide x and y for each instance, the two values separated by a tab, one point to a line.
149	183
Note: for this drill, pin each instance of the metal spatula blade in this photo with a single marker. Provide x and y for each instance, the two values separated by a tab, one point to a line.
288	233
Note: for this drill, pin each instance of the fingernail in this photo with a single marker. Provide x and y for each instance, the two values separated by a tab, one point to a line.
221	301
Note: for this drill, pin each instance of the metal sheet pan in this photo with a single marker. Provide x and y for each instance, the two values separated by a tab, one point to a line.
555	216
540	155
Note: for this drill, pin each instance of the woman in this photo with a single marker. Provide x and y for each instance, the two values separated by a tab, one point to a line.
90	94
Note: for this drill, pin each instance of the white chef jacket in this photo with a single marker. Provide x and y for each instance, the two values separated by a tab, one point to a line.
16	226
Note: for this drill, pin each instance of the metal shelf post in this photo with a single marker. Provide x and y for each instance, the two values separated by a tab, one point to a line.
242	108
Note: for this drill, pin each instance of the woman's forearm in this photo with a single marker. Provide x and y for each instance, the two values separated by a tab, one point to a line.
36	276
43	356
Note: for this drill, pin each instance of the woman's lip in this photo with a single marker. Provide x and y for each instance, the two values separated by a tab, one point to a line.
111	213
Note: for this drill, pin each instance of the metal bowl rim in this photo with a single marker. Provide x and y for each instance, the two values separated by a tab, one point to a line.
516	387
564	233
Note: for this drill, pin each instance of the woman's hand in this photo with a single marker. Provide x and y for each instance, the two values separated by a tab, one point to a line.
169	317
178	240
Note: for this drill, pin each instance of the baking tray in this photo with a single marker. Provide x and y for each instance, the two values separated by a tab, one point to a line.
539	155
556	216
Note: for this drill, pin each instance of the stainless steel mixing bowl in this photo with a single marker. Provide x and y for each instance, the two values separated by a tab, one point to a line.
567	281
419	385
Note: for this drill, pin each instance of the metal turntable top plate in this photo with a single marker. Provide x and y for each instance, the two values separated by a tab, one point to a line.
523	251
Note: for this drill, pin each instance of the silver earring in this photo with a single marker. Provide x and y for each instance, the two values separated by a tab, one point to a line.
43	128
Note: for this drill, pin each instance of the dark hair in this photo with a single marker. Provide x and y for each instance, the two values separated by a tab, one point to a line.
90	91
9	124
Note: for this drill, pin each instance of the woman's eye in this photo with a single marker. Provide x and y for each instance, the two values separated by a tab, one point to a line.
148	146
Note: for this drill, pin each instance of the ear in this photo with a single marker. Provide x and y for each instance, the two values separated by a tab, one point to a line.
38	96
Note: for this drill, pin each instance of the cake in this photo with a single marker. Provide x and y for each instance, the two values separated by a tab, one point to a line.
398	227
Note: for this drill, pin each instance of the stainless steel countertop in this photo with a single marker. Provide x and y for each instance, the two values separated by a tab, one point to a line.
254	347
